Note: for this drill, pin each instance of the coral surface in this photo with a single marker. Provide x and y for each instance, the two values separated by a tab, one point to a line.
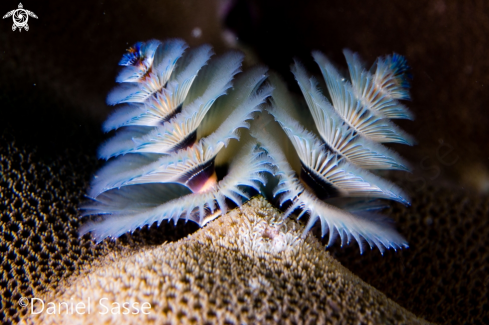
440	277
39	221
47	79
247	267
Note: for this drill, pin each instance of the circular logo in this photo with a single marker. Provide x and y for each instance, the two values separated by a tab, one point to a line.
20	18
23	302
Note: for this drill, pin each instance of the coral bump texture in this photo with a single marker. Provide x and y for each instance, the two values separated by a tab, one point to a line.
250	266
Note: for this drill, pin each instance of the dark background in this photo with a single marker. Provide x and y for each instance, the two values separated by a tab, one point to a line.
55	77
71	54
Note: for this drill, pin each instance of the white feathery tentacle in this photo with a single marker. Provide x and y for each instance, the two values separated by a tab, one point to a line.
376	91
166	138
189	65
219	74
120	143
133	199
124	115
340	138
349	180
216	75
174	167
288	187
353	112
376	230
163	139
157	109
154	80
138	61
166	102
239	117
176	124
245	85
142	169
282	98
126	213
391	75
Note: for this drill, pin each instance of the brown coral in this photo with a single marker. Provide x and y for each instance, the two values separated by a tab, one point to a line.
246	267
446	265
39	244
38	239
442	276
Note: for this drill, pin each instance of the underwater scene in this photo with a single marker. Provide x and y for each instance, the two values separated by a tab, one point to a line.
244	162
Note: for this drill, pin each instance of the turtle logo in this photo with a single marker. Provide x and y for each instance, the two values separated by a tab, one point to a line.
20	16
